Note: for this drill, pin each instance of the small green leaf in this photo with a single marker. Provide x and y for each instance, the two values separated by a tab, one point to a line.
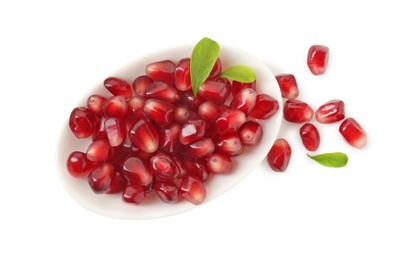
239	73
334	160
204	56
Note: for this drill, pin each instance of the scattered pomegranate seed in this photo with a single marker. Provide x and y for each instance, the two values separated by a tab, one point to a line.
134	194
250	133
163	91
318	59
310	137
162	71
161	112
244	101
117	184
191	101
82	122
216	70
229	120
78	165
198	169
167	191
193	190
279	155
116	106
229	144
353	133
237	86
136	171
200	148
140	84
118	87
95	103
98	151
214	91
208	110
192	131
288	86
169	139
265	107
182	75
331	112
144	136
163	166
115	130
296	111
101	177
218	163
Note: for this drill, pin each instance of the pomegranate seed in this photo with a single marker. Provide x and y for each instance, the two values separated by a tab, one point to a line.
167	191
161	112
135	110
279	155
296	111
136	171
214	91
78	165
140	84
162	71
100	132
265	107
193	190
144	136
229	144
117	184
192	131
218	163
118	87
237	86
182	75
181	165
82	122
115	130
200	148
182	114
198	169
116	106
162	91
288	86
98	151
353	133
250	133
229	120
310	137
244	101
95	103
331	112
318	59
216	70
135	194
163	166
101	177
208	110
187	98
169	139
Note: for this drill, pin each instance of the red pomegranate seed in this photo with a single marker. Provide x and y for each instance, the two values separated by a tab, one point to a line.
265	107
180	162
244	101
115	130
136	171
192	131
229	144
214	91
95	103
237	86
82	122
163	166
208	110
167	191
134	194
169	139
229	120
200	148
118	87
116	106
163	91
250	133
279	155
310	137
100	132
296	111
182	75
162	71
198	169
78	165
193	190
101	177
318	59
182	114
331	112
140	84
192	102
216	70
117	184
135	109
218	163
144	136
353	133
161	112
288	86
99	151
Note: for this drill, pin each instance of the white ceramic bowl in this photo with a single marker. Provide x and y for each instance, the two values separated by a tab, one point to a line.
112	205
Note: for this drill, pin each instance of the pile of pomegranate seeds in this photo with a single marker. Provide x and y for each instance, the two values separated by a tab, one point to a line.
299	112
154	136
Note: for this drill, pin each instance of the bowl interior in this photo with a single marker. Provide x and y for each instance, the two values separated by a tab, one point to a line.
112	205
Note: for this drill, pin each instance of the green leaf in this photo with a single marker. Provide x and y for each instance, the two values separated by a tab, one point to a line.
204	56
239	73
334	160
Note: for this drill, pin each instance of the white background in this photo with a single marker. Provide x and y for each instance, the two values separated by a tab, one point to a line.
51	52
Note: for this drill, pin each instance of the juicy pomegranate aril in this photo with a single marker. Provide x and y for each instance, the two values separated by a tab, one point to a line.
193	190
100	178
140	84
95	103
318	59
116	106
244	101
134	194
265	107
288	86
182	75
144	136
229	120
279	155
162	91
218	163
214	91
250	133
136	171
162	71
167	191
115	130
82	122
296	111
310	137
163	166
78	164
353	133
99	151
330	112
118	87
159	111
